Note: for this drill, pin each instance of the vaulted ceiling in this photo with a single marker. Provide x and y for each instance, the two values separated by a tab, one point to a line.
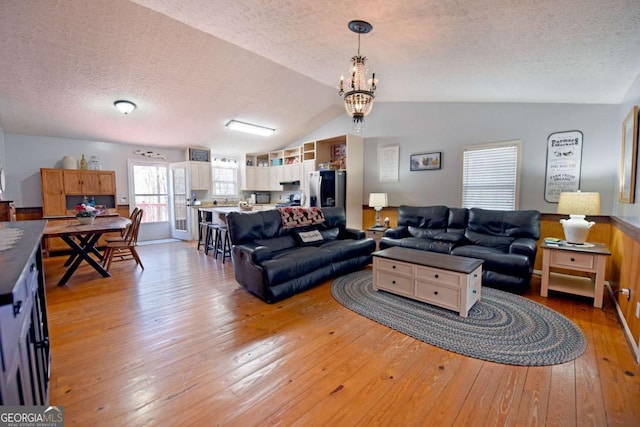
192	65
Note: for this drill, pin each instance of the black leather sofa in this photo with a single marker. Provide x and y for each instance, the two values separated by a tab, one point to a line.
273	262
505	240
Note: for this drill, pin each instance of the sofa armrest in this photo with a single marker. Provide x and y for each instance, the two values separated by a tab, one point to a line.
523	246
257	254
352	233
396	232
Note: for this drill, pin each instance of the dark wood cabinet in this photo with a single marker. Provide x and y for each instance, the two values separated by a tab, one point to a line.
24	332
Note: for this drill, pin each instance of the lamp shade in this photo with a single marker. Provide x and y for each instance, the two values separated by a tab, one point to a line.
579	203
378	200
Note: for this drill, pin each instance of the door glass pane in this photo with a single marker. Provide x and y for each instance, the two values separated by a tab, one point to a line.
151	191
180	199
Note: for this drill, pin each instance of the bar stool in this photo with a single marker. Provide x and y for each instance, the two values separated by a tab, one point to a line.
211	238
222	243
204	219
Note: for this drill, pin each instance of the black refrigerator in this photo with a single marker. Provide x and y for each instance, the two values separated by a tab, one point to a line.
327	188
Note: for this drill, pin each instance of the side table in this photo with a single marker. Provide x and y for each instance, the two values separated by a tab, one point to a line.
589	258
376	234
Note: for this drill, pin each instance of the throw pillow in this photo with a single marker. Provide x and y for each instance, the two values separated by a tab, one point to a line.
309	238
300	217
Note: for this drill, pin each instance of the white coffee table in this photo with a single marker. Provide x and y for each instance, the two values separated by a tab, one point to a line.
447	281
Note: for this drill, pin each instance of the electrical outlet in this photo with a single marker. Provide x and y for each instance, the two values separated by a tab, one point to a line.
638	310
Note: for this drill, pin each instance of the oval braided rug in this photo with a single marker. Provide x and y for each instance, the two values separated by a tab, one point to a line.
501	327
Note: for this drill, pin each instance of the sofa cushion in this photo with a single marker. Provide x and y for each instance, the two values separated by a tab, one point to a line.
499	243
277	244
424	233
418	243
340	250
293	263
450	237
505	223
423	216
330	233
496	260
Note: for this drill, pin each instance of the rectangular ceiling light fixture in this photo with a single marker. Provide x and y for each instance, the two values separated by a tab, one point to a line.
250	128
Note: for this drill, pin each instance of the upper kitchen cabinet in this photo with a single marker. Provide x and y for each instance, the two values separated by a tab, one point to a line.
200	175
88	182
62	189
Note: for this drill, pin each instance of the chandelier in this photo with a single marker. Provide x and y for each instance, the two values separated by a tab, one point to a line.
358	92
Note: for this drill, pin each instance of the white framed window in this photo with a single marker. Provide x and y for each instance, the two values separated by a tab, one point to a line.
149	189
224	176
491	175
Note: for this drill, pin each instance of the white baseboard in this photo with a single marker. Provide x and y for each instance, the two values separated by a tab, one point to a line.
623	322
627	332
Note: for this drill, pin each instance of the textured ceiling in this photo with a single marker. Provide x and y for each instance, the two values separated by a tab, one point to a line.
192	65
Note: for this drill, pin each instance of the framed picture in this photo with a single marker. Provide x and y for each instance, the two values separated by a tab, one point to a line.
629	157
426	161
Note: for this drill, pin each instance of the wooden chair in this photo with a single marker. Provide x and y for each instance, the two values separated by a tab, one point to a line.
125	249
124	232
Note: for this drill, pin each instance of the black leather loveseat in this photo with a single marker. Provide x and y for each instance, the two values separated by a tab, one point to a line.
275	256
505	240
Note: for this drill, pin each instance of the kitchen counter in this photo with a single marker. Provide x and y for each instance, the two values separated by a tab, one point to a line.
219	212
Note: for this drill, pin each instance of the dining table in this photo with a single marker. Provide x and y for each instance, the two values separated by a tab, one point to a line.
82	240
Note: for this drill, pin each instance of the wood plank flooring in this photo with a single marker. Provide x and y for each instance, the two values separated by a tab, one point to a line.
181	343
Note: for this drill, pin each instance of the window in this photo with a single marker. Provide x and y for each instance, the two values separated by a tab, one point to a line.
225	177
150	189
491	176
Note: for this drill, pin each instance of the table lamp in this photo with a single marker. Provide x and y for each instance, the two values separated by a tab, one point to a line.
378	201
577	205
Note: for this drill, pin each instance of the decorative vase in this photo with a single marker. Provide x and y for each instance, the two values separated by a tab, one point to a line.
576	228
69	162
86	220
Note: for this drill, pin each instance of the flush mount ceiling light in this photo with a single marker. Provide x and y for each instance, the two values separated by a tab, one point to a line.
250	128
125	106
358	94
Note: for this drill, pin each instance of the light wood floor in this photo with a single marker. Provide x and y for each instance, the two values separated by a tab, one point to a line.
180	343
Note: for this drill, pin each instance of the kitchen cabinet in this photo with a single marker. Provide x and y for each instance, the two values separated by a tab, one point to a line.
24	332
63	189
276	176
89	182
54	199
200	173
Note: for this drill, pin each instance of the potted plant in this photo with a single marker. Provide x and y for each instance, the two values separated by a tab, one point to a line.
85	214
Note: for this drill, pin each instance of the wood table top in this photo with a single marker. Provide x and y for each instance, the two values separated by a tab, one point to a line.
73	227
430	259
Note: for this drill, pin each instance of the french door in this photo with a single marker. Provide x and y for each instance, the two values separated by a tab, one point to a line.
179	194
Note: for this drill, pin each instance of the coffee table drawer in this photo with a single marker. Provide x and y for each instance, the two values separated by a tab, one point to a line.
572	259
395	284
442	296
438	276
395	266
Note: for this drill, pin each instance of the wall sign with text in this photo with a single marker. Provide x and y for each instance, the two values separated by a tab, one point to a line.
564	161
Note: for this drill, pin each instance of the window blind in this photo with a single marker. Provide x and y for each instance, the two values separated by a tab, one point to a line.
490	177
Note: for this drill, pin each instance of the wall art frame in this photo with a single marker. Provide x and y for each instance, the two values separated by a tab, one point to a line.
564	164
426	161
628	161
